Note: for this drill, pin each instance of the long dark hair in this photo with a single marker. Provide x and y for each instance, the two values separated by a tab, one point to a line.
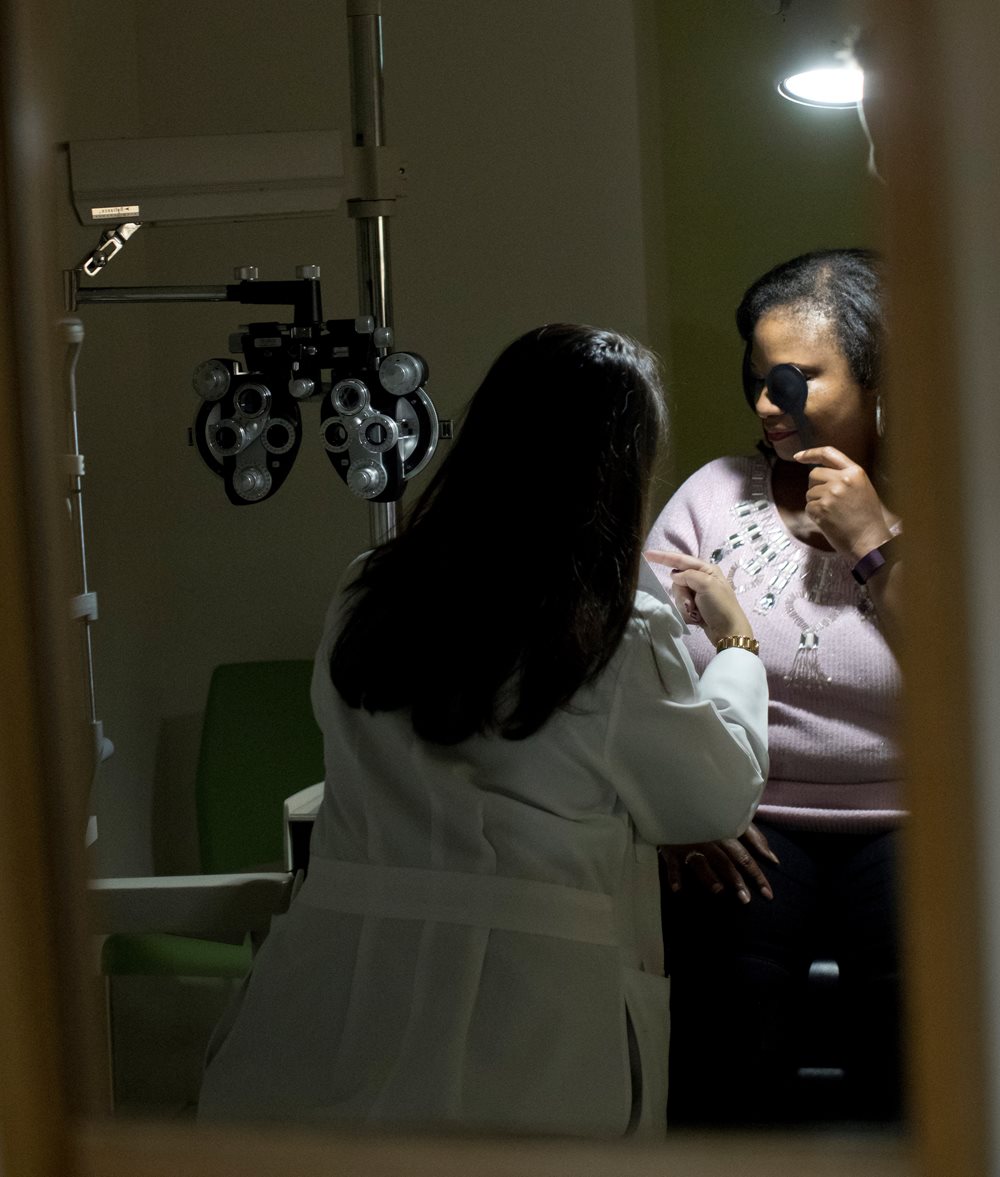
845	286
512	580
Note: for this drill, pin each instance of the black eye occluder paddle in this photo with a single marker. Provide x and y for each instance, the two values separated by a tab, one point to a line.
788	388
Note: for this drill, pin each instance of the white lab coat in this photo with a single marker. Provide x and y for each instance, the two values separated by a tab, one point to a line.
477	944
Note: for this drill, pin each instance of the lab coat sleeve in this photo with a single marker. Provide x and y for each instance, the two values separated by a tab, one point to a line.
688	755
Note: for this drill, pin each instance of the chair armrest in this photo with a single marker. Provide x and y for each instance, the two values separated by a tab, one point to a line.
300	807
211	907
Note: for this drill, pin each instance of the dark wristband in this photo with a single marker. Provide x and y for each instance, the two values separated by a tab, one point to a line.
877	558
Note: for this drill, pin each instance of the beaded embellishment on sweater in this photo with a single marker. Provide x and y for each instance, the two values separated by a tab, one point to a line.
760	543
806	670
767	556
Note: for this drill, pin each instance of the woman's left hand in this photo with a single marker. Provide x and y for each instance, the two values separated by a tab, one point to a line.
843	503
723	865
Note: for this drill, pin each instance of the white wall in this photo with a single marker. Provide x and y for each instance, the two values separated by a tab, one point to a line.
519	123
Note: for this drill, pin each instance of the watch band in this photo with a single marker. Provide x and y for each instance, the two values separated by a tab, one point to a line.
737	641
877	558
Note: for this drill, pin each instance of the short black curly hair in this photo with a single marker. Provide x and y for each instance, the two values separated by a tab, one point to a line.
844	285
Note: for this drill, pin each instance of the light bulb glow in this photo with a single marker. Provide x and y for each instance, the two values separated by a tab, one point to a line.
840	87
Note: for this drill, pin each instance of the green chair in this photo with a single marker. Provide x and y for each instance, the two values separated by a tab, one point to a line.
259	745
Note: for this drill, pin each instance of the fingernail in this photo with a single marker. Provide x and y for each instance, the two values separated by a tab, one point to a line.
717	889
675	886
767	892
744	896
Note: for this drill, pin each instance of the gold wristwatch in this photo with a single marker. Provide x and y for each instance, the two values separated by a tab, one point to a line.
738	641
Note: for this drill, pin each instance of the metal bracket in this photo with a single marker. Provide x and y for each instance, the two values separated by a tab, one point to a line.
111	244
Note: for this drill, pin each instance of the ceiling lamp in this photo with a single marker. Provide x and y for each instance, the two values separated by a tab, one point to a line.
835	87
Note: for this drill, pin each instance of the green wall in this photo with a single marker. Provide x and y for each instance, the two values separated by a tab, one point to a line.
740	179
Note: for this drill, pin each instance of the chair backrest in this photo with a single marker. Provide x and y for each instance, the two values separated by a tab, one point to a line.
259	744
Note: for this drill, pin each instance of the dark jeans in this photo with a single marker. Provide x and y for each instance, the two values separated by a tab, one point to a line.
740	1002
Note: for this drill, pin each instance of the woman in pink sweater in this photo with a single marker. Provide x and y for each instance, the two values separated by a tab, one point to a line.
803	531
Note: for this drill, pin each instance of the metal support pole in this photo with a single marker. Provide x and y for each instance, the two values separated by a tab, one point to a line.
374	276
371	208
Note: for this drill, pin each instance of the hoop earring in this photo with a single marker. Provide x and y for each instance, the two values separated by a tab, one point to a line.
879	416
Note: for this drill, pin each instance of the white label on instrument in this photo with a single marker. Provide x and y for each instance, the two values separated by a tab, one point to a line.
115	212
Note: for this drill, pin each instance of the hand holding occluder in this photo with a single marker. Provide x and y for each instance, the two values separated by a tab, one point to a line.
843	503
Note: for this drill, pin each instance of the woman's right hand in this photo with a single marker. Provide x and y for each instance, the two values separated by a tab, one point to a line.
704	595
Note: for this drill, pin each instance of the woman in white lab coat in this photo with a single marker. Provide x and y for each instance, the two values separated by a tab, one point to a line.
512	726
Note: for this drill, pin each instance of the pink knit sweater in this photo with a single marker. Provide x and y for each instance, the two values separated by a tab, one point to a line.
834	684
